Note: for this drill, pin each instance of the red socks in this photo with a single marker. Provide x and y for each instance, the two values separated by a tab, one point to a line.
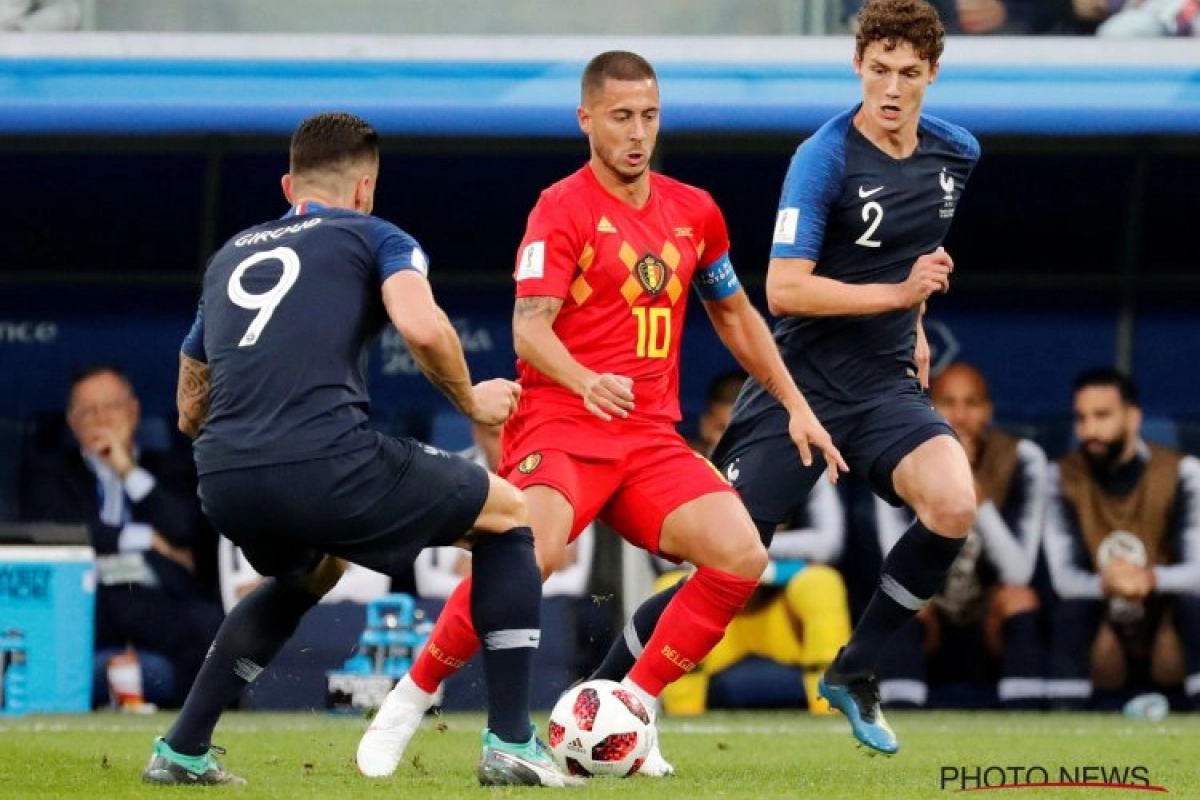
690	627
692	624
451	644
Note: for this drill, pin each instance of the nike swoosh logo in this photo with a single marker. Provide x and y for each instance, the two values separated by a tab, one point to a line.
864	193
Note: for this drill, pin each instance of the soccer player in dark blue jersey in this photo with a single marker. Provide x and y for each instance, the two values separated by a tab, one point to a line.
272	386
866	204
857	251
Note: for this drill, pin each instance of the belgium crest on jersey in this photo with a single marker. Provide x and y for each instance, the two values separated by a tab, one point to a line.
651	273
529	463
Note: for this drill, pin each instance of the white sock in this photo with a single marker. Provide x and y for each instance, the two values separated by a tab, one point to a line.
406	689
648	700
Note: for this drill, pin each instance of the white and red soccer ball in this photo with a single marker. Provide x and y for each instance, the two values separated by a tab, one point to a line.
600	728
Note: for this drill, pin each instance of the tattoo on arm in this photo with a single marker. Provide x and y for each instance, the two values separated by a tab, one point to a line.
772	387
528	308
192	395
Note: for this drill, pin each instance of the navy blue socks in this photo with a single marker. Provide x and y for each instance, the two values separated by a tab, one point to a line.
913	572
506	599
252	634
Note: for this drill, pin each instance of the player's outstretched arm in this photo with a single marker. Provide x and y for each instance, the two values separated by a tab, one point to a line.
794	290
536	343
431	338
747	336
192	395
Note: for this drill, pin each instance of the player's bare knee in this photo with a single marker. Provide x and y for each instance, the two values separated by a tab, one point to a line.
951	513
549	565
748	562
505	508
515	508
550	559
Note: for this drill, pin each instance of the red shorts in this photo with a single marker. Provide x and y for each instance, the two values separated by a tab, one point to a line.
656	473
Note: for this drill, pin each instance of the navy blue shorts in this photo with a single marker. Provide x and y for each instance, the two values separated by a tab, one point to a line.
377	507
762	462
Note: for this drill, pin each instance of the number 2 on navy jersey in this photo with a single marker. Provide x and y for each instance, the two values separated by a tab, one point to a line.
265	303
872	213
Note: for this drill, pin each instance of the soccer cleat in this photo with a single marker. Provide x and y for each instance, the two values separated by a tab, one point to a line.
857	696
655	766
529	764
383	744
168	768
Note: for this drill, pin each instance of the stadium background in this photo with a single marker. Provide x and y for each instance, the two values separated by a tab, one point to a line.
128	157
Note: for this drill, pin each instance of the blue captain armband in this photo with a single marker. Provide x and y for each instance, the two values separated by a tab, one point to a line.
717	281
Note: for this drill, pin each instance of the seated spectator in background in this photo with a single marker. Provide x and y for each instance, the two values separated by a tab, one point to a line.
39	15
798	617
1012	17
1122	541
1153	18
983	626
145	520
722	391
966	16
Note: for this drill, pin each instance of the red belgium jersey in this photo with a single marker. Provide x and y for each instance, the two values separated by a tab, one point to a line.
623	274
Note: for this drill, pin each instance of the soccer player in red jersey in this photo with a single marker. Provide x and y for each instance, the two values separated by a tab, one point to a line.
602	281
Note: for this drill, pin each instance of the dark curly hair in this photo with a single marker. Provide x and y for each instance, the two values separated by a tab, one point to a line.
896	21
333	139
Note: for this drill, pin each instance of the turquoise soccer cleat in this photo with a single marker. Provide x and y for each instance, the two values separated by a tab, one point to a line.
857	696
168	768
527	764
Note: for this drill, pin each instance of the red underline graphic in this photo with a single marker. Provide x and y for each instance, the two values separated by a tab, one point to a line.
1068	785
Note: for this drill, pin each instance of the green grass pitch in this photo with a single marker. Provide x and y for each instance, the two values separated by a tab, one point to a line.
718	755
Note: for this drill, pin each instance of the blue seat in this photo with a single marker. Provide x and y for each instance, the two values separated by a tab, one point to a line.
155	433
1160	430
1189	436
1056	436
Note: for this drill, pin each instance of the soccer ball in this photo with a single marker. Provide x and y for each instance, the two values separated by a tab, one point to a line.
600	728
1122	544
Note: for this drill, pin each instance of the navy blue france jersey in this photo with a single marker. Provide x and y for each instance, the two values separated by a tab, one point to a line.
864	217
288	311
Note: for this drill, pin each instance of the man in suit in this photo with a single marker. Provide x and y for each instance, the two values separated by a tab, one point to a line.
145	523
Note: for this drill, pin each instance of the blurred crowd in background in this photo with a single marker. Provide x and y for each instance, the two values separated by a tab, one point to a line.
1118	18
